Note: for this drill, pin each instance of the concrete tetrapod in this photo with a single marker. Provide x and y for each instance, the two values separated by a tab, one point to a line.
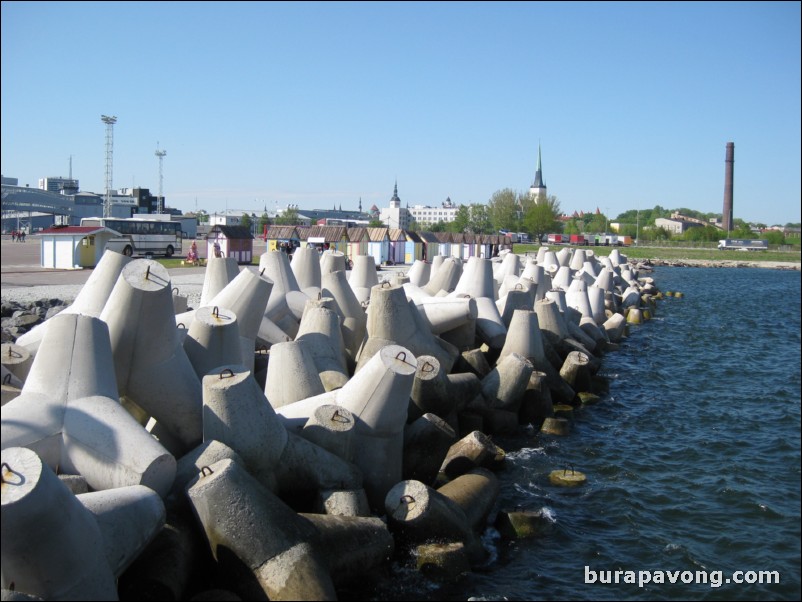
377	396
475	492
474	450
90	299
426	443
213	340
239	514
505	385
446	313
53	546
477	279
220	271
351	546
578	298
445	277
420	513
551	321
363	277
291	374
394	321
69	413
381	416
516	299
236	413
129	518
332	427
150	363
16	359
247	297
320	330
286	302
352	315
420	272
332	261
305	265
510	265
489	325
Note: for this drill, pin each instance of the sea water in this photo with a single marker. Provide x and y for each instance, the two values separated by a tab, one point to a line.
692	461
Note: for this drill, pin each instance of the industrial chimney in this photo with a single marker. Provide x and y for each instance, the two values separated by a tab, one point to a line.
728	169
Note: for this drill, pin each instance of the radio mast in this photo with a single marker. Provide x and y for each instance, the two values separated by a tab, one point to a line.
109	121
160	154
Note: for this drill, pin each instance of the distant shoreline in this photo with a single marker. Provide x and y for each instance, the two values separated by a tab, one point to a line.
721	263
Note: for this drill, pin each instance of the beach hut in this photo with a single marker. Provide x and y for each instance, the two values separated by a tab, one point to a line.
398	241
73	247
445	243
379	245
357	242
282	238
413	248
484	245
234	241
469	245
328	238
430	245
457	242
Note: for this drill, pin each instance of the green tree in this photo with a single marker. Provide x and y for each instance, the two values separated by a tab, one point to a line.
503	210
438	227
706	233
288	218
596	224
741	230
775	237
571	227
246	222
376	223
461	221
264	222
543	217
480	219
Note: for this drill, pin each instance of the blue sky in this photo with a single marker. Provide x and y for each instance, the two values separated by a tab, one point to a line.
265	104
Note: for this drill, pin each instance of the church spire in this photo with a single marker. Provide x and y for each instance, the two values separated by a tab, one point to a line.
538	187
395	201
539	171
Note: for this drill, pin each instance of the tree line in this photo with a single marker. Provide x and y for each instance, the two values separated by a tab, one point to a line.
512	211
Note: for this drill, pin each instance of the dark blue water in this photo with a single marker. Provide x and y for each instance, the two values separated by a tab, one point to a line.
692	458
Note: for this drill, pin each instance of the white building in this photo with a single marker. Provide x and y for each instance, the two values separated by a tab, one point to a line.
59	184
395	216
426	216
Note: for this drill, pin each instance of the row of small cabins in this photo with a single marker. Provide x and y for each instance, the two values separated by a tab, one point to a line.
386	245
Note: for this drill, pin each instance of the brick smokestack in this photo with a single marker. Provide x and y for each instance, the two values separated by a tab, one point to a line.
729	162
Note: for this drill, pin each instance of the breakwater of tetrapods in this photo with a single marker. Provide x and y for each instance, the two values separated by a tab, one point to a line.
299	430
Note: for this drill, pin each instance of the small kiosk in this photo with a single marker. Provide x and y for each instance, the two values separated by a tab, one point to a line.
73	247
234	241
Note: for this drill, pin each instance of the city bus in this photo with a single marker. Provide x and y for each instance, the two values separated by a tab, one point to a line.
140	236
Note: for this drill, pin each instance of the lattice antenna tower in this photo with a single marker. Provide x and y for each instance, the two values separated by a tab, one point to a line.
109	121
160	154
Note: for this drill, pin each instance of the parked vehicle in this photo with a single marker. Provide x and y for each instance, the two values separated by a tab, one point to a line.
729	244
140	236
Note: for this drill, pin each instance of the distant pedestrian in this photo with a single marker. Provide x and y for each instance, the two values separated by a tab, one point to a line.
21	236
217	252
13	236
